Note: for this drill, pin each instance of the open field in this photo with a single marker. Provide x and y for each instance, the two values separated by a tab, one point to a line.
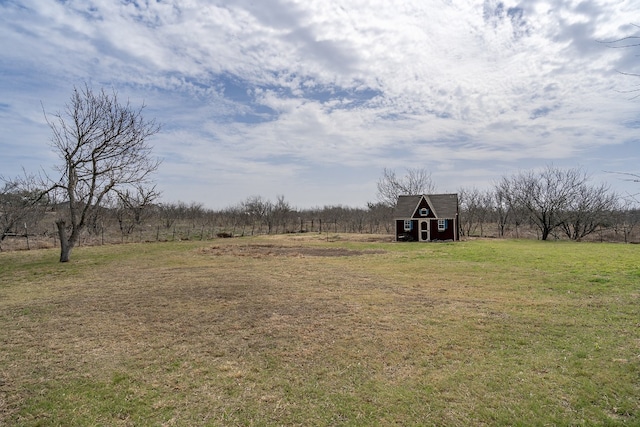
322	330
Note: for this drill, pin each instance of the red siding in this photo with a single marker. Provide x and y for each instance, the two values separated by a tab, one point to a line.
447	234
401	234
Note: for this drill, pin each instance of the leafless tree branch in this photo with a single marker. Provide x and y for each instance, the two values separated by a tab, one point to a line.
102	146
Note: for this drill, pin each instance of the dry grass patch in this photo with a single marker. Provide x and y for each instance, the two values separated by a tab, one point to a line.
260	250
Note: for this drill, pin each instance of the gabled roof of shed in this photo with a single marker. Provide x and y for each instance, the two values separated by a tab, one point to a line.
443	205
406	206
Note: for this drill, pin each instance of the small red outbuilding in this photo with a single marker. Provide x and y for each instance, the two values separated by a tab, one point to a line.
427	218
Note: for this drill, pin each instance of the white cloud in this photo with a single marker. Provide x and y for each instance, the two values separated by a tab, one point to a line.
258	94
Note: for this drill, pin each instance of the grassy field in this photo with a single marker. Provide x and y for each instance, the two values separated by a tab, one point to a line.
322	330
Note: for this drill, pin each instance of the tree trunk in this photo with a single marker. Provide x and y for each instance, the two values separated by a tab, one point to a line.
545	233
65	245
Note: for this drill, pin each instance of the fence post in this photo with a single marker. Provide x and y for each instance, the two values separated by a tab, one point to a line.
26	235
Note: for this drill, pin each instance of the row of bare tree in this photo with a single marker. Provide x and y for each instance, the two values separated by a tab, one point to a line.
552	203
134	219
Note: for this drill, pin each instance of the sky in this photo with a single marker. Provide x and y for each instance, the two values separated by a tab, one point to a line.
313	99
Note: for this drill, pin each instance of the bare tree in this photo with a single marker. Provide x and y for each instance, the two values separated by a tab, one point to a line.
510	210
21	203
475	209
281	212
632	198
626	219
501	208
416	181
547	196
380	215
633	177
170	212
132	207
102	145
592	207
258	209
628	42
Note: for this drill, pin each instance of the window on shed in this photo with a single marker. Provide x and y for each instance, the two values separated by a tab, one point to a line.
442	224
424	212
408	225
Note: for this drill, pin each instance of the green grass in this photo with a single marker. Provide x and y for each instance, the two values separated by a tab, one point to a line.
298	330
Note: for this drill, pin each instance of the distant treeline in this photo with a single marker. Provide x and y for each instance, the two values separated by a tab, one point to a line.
549	204
482	214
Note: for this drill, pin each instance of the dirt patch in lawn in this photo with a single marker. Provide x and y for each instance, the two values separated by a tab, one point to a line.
291	251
